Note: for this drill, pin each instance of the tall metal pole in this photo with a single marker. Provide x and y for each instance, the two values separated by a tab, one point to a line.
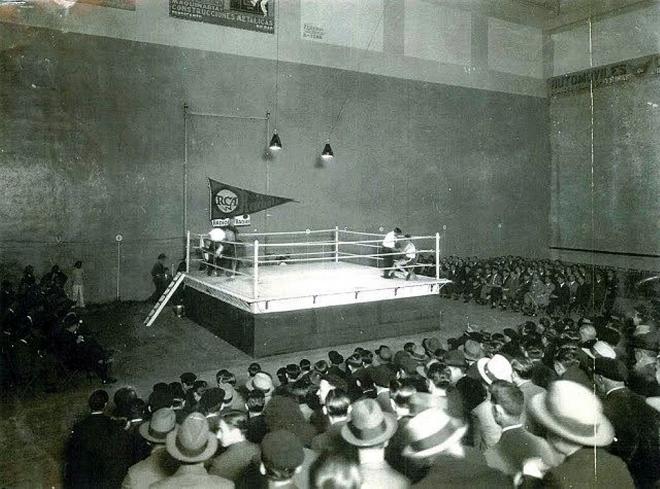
269	155
255	278
185	168
437	256
336	244
187	251
117	294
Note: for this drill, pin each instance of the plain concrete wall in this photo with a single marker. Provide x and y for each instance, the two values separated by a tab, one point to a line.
613	204
91	143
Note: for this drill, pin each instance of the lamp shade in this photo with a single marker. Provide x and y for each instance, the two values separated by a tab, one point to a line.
327	152
275	142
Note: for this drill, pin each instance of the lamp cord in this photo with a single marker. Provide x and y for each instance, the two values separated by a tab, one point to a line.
357	69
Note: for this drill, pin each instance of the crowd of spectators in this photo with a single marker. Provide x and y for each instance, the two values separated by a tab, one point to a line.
42	337
555	402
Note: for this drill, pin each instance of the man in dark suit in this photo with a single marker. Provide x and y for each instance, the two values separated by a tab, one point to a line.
99	453
516	443
256	424
578	429
636	425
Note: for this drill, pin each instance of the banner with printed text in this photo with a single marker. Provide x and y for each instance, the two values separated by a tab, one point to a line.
253	15
227	201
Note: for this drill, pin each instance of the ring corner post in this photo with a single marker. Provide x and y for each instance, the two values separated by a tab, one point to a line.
255	278
336	244
437	256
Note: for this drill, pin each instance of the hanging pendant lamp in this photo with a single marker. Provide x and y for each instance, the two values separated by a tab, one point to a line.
327	153
275	142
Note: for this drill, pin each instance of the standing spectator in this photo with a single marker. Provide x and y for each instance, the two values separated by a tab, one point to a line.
282	457
577	428
158	276
434	446
516	443
369	430
238	452
98	453
77	286
256	425
335	407
159	464
636	425
192	444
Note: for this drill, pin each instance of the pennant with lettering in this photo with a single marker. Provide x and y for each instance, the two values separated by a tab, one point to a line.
227	201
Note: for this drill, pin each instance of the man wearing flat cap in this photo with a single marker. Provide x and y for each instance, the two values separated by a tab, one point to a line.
159	464
636	425
192	444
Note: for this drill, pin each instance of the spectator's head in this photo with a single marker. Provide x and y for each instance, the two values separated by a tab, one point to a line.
162	422
224	376
609	374
401	393
193	442
176	390
472	350
281	376
98	400
160	399
337	405
232	428
198	388
321	367
566	357
384	354
496	368
253	369
187	380
354	362
367	358
645	347
292	372
368	426
455	361
508	403
587	333
572	416
305	365
282	455
522	369
438	377
123	400
335	357
211	401
255	402
334	471
261	382
432	432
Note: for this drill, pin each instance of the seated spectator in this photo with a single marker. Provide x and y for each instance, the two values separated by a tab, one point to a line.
578	430
282	457
159	464
435	455
334	471
567	366
369	430
192	444
211	404
283	413
516	444
239	452
187	381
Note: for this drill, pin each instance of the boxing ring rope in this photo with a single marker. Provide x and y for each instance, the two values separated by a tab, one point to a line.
259	251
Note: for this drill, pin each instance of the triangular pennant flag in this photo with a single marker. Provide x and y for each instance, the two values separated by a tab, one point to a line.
227	201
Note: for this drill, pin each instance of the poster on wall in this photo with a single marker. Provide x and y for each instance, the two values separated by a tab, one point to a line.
253	15
120	4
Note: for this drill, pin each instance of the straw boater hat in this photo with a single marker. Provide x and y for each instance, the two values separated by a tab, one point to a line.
261	381
431	432
368	425
162	422
192	442
496	368
600	349
572	412
472	350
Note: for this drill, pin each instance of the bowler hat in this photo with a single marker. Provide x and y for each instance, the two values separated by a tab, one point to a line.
472	350
611	369
455	358
281	450
192	442
368	425
162	422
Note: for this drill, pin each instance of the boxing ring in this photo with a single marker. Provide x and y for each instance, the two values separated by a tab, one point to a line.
278	292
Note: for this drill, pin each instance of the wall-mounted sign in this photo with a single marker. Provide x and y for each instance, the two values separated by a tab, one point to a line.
253	15
605	75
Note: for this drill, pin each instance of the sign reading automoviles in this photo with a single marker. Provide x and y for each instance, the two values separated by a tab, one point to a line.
227	201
